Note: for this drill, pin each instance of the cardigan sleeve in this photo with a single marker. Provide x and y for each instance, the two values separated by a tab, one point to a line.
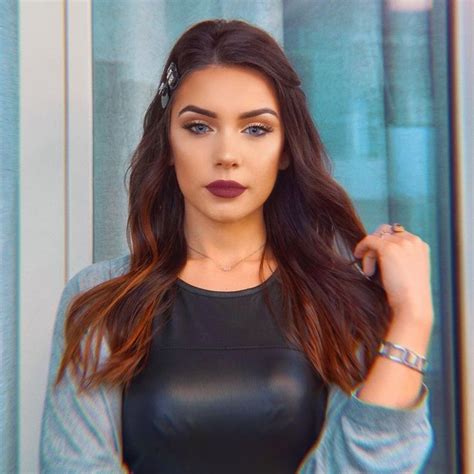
361	437
78	432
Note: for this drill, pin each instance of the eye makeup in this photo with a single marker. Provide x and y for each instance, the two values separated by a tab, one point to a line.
266	128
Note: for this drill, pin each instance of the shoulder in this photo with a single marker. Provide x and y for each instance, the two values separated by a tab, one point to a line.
98	272
85	279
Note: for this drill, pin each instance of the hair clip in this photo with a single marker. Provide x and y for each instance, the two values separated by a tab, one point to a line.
169	84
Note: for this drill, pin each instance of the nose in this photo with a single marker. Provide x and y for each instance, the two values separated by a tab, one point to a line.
227	152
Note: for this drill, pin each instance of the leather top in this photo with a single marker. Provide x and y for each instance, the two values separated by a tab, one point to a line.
221	383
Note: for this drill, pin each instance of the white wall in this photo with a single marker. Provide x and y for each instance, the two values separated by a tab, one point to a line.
55	187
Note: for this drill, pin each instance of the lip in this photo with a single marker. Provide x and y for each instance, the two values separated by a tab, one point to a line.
226	189
220	183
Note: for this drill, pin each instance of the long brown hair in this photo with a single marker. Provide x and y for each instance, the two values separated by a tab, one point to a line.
312	227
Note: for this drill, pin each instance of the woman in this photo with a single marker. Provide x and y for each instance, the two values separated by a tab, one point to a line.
240	335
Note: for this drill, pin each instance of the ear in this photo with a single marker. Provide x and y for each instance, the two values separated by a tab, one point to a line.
284	161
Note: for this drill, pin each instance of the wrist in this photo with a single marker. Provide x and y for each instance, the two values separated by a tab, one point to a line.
403	355
412	316
412	335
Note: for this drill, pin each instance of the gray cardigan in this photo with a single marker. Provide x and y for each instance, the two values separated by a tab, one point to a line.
81	434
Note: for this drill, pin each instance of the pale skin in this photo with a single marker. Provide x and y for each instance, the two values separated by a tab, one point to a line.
229	148
404	263
228	230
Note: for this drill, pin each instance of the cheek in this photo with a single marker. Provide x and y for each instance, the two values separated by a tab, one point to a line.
187	174
191	175
264	179
268	162
184	154
272	151
190	155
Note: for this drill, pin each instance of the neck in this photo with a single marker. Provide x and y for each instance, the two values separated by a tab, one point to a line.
225	242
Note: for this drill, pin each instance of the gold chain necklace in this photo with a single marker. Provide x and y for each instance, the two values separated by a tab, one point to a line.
227	268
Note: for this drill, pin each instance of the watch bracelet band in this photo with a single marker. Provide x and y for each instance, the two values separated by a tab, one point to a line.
403	356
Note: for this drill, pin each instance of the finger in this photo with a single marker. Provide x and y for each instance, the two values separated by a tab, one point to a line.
369	263
385	231
382	228
361	247
369	242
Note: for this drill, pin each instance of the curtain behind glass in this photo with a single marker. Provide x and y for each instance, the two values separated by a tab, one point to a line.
9	166
370	75
376	82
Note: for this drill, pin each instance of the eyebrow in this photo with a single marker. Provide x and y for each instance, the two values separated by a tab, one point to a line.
209	113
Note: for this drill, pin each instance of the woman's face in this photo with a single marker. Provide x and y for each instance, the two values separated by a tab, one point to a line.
217	143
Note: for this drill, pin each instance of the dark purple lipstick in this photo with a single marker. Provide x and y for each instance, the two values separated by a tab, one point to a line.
227	189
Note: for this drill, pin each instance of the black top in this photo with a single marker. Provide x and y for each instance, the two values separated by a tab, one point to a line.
222	390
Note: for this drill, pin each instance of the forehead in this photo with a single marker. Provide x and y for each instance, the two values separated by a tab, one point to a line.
226	89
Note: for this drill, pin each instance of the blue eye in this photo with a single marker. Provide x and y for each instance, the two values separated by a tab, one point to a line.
261	127
264	128
190	126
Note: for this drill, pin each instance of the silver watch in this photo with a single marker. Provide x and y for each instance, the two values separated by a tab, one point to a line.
403	355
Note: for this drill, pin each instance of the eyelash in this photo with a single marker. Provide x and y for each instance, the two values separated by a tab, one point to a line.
261	126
